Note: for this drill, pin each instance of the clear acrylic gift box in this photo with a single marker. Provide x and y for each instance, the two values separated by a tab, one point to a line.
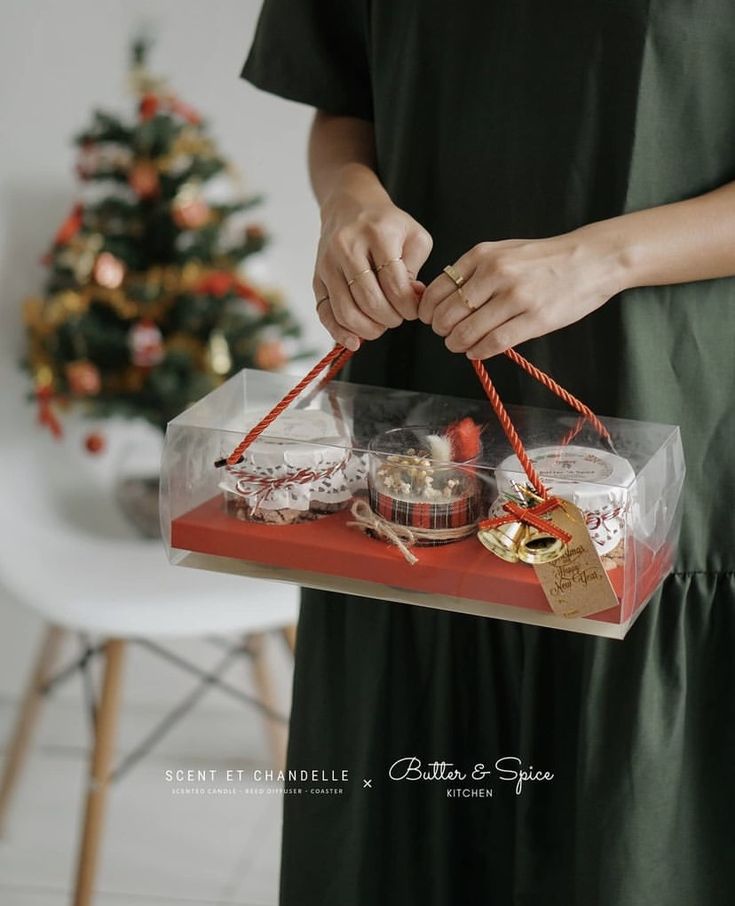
404	496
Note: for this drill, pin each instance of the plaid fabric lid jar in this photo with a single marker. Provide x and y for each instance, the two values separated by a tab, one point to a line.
415	480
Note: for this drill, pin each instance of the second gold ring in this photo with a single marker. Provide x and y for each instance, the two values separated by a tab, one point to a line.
386	263
368	270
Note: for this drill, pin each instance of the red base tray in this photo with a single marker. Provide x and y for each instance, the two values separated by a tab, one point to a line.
463	569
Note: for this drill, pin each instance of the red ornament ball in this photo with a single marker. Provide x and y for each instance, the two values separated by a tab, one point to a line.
70	227
149	105
84	378
270	355
190	212
94	443
216	284
143	179
255	233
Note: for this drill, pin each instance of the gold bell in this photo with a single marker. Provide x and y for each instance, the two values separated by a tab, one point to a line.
537	546
503	540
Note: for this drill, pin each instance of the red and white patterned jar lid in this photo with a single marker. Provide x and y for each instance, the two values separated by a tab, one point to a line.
597	481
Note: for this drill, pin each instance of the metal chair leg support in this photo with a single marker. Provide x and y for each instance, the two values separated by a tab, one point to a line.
172	718
227	688
90	696
79	663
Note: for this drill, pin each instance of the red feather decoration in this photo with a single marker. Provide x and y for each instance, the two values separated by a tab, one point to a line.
464	435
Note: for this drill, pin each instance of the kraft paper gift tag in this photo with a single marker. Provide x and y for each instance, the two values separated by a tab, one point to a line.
576	584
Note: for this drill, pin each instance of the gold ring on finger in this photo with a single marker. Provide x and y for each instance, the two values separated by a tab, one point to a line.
466	301
386	263
367	270
454	275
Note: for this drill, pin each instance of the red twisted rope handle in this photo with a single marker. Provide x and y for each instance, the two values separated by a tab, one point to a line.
573	431
509	428
336	357
563	394
337	366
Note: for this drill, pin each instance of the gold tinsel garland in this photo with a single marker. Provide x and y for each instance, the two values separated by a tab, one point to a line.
162	285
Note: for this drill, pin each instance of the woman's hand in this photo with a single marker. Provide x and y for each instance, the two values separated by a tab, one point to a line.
369	254
518	289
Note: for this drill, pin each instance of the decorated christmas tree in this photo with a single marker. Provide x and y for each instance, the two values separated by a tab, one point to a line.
147	305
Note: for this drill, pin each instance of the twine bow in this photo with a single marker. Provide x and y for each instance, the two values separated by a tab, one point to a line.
400	536
531	515
403	536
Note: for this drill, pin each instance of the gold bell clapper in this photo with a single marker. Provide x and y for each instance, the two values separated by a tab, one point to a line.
536	546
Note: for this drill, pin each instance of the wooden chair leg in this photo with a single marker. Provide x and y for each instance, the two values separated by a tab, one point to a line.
99	772
289	634
27	718
277	732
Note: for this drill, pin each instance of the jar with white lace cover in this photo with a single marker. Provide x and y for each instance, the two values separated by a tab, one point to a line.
597	481
301	467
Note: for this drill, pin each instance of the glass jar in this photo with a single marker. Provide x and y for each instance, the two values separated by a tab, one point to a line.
408	486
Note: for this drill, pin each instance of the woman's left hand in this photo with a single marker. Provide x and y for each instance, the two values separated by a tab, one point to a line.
517	289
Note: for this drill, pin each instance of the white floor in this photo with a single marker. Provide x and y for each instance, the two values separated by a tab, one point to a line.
159	847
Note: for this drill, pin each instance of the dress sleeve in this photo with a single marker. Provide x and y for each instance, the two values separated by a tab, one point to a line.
315	52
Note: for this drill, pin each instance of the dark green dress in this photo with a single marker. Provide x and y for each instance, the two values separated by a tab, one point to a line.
528	118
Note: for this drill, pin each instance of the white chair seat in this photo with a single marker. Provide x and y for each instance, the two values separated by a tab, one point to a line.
67	551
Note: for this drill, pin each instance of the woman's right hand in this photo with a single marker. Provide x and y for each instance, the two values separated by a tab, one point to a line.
369	254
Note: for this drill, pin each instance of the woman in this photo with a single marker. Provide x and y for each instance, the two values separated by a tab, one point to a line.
574	163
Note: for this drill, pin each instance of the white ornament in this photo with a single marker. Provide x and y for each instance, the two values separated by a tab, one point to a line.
146	344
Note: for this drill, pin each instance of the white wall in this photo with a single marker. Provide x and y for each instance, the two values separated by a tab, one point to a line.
59	60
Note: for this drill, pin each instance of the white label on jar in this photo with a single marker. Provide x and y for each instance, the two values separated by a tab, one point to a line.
572	466
586	467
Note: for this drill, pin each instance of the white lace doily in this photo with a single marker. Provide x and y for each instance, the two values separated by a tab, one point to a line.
307	458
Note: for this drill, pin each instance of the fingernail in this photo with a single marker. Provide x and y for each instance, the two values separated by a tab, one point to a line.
352	343
473	357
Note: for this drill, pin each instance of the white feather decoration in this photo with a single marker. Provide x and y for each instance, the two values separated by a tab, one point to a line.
440	447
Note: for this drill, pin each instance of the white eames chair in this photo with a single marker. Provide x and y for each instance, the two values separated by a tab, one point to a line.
67	551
